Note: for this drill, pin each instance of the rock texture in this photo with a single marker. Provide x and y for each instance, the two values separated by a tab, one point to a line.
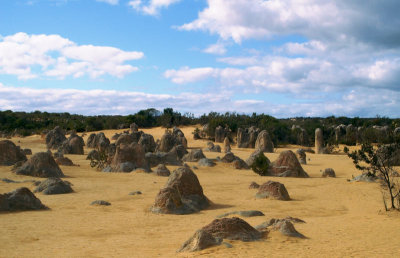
54	186
264	142
199	241
162	170
227	145
328	172
20	199
233	229
301	155
10	153
254	185
182	194
98	141
73	145
287	165
219	134
128	158
206	162
64	161
211	147
319	141
55	138
193	156
41	164
274	190
246	138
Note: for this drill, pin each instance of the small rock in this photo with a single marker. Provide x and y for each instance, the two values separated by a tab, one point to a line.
100	202
328	172
135	193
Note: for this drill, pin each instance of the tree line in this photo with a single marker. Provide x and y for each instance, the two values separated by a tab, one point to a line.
27	123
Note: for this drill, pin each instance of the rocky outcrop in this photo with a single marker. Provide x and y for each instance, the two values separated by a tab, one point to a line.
41	164
162	170
133	128
54	186
64	161
128	158
10	153
199	241
227	145
173	157
98	141
236	162
328	172
182	194
287	165
193	156
73	145
148	143
212	148
219	134
206	163
246	138
232	229
55	138
319	141
264	142
274	190
301	155
21	199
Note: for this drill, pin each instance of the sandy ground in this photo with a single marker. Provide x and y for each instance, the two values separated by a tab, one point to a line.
342	218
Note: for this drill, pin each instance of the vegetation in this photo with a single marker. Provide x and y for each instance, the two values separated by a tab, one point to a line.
260	165
282	131
378	161
99	161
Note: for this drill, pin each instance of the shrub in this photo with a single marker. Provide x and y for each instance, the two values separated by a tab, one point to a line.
260	165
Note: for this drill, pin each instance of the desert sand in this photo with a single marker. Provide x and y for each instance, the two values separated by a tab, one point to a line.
342	218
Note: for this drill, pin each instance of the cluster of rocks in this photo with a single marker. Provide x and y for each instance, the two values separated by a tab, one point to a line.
246	138
236	228
221	133
211	147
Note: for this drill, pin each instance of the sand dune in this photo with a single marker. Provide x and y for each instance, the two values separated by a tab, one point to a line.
342	218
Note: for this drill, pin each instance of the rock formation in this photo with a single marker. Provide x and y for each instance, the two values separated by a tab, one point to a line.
10	153
287	165
274	190
319	141
20	199
264	142
55	138
182	194
41	164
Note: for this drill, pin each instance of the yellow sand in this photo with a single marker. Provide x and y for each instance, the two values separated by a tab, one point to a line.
343	218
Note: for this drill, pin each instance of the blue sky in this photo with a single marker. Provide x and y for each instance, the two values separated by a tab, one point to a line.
284	58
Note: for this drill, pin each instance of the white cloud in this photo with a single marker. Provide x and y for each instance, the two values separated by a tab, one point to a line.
373	22
151	7
357	102
112	2
216	49
22	54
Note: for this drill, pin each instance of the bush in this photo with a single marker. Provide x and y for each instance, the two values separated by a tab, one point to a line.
99	162
260	165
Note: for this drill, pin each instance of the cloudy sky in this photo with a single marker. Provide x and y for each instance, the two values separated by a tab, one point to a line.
283	58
